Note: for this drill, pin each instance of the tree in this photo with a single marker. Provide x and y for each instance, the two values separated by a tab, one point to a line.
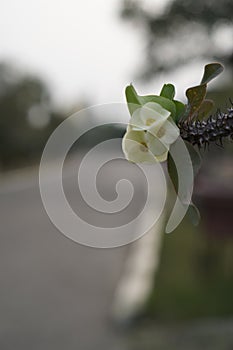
184	31
26	117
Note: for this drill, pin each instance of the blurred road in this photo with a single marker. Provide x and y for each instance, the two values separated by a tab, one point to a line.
55	294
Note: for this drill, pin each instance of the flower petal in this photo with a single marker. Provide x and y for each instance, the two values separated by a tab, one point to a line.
152	112
149	114
163	157
135	148
136	122
155	145
169	132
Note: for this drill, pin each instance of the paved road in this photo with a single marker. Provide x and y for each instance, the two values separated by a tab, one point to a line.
55	294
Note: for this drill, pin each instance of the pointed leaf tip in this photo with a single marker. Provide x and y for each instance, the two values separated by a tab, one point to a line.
132	98
168	91
194	214
211	71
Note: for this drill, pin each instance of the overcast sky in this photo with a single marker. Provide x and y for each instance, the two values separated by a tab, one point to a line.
80	48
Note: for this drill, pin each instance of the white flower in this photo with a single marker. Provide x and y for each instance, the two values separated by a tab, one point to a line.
149	135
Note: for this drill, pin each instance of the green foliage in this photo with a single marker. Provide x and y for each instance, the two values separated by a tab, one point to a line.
134	101
197	107
195	96
180	109
195	158
21	143
182	26
172	171
192	212
195	276
168	91
212	70
197	104
205	109
165	100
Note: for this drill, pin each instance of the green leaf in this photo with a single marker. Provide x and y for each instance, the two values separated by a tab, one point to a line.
195	97
163	101
212	70
132	98
195	158
172	171
168	91
205	108
134	101
180	108
194	214
196	163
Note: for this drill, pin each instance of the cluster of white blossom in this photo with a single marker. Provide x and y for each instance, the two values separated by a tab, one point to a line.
149	134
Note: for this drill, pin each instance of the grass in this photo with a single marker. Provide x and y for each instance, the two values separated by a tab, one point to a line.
195	277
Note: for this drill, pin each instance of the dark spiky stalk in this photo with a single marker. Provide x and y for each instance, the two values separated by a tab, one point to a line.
213	130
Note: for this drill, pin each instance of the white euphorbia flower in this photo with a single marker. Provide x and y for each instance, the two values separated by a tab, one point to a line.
149	135
135	147
147	115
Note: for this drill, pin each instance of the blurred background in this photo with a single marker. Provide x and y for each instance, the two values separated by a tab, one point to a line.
56	58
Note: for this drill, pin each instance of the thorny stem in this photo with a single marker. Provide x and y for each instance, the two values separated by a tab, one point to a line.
214	129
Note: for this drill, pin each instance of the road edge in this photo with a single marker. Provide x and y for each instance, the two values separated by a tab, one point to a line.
137	279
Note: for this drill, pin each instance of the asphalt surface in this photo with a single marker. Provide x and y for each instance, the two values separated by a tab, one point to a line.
55	294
